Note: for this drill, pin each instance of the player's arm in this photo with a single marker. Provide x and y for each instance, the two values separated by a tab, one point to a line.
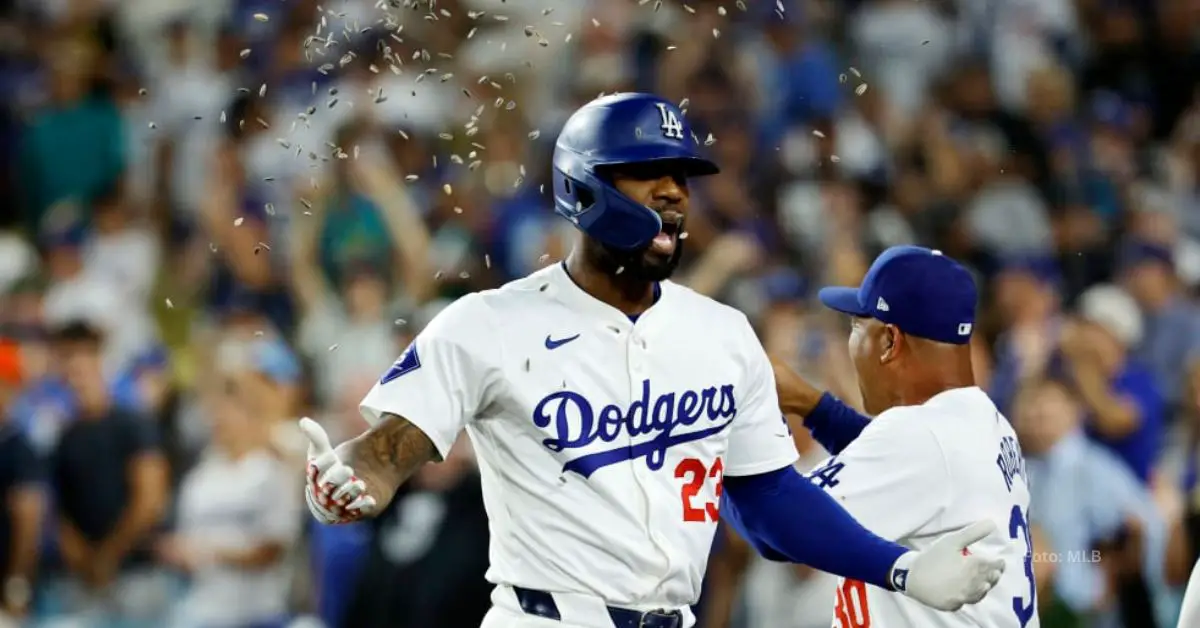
787	518
390	452
416	411
832	423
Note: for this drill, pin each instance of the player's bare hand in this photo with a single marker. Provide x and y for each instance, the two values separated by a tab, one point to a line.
796	396
333	492
945	576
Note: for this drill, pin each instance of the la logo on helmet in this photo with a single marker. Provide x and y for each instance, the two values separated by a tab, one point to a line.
671	127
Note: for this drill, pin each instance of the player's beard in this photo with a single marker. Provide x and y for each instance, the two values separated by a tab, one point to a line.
639	265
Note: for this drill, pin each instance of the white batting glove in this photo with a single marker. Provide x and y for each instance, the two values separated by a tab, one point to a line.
945	576
333	493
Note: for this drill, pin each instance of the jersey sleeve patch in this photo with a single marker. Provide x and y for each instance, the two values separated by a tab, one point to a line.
409	361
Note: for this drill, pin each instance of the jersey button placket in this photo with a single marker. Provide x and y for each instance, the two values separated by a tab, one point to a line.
639	371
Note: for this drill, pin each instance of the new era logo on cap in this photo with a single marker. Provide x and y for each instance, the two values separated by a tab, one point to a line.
921	291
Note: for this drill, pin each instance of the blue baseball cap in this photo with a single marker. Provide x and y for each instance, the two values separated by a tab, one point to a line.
274	359
1043	268
919	290
784	285
1134	252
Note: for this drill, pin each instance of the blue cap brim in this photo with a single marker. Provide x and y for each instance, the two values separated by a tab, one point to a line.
844	300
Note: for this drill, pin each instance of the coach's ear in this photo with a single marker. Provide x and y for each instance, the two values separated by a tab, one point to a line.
890	341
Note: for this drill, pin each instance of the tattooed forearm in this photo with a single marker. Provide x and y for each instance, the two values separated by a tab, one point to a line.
386	455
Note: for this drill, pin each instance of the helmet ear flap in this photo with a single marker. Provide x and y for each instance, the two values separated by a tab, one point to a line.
602	211
572	196
584	197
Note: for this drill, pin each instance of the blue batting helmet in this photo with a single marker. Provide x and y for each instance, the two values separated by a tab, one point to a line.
613	130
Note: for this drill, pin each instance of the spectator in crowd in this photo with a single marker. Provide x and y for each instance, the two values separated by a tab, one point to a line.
268	372
110	485
43	404
235	550
1084	496
189	91
79	291
234	221
1026	300
1125	408
363	244
22	503
123	249
74	147
1171	321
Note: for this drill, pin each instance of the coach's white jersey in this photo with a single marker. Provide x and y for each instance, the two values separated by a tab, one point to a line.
602	442
917	472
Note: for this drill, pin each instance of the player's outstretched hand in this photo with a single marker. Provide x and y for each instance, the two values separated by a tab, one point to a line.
333	493
944	576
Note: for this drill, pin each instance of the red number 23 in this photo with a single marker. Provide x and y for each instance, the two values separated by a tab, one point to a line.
695	474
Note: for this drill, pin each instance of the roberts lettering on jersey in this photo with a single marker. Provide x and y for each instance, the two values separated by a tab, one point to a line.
916	472
570	416
593	432
1010	461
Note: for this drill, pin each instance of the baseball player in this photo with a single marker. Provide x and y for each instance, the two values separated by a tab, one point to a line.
938	455
616	416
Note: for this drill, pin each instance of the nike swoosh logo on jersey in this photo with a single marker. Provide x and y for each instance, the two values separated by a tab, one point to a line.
552	344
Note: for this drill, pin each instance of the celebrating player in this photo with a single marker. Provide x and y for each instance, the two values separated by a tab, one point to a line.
937	457
611	410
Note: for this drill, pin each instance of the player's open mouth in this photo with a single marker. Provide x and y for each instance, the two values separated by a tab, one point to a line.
667	239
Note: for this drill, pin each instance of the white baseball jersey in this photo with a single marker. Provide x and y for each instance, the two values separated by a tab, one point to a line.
602	442
918	472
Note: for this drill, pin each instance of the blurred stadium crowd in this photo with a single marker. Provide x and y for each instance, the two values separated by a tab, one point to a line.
220	215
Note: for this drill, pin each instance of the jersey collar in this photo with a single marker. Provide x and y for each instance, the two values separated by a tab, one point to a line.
567	291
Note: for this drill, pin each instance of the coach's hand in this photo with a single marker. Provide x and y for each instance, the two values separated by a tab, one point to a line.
333	493
945	576
796	395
